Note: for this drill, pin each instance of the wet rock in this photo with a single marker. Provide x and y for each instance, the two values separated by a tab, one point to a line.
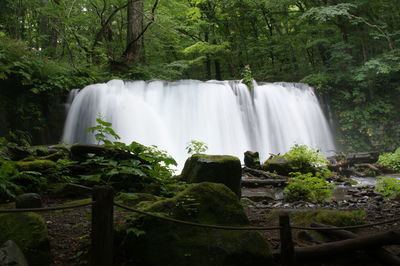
28	200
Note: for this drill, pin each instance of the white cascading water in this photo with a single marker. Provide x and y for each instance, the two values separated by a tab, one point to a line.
226	115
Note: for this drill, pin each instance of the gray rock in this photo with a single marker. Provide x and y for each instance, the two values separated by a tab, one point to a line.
28	200
11	255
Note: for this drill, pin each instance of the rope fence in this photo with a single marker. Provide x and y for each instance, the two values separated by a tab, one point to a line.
103	215
55	208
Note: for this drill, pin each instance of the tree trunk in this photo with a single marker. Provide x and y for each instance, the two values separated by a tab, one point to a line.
134	31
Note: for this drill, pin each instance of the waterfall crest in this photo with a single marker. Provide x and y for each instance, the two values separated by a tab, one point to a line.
226	115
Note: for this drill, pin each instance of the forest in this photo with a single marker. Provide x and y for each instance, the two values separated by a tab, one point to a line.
115	202
347	50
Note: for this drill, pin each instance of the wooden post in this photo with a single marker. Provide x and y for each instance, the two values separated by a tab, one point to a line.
102	226
287	247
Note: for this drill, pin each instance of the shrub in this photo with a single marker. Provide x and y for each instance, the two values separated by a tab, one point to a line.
307	187
148	166
388	187
307	160
391	160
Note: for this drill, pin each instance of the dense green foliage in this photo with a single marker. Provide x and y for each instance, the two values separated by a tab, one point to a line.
391	160
307	187
388	187
348	49
306	159
148	164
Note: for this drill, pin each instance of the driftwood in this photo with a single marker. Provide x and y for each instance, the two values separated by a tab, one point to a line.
348	245
261	173
369	166
382	254
252	183
362	157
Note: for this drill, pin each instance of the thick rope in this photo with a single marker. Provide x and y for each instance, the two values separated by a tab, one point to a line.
197	224
56	208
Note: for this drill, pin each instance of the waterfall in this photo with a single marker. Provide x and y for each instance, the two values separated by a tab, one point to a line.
226	115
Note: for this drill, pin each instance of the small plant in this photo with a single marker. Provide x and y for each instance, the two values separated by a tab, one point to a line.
195	147
388	187
307	187
391	160
247	77
103	131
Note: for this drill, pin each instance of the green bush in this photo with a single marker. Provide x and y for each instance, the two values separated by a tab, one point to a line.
391	160
305	159
388	187
307	187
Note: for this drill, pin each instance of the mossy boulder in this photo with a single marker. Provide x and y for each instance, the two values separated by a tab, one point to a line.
222	169
30	233
167	243
48	169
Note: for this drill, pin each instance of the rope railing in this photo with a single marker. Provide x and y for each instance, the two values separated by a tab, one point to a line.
55	208
261	228
221	227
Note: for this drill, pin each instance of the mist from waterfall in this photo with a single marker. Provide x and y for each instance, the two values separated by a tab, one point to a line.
226	115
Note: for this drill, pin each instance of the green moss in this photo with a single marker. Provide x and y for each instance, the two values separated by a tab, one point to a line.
132	199
81	201
331	217
37	165
29	231
166	243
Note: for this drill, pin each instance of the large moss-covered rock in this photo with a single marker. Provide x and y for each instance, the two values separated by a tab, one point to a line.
166	243
29	231
223	169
